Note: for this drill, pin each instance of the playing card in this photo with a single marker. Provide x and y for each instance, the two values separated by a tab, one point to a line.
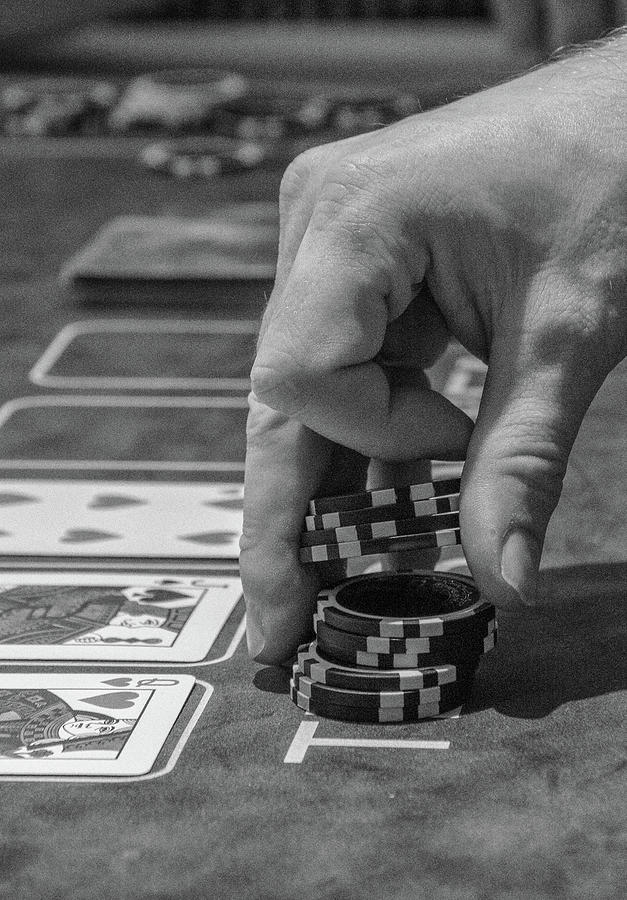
87	724
123	519
124	433
149	355
105	616
143	256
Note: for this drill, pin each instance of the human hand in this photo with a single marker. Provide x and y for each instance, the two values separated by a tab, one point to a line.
498	219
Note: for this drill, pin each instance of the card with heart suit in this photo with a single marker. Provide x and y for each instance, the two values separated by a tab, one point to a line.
87	724
104	616
120	519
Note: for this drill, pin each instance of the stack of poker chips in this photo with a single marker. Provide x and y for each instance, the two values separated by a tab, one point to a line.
390	646
414	517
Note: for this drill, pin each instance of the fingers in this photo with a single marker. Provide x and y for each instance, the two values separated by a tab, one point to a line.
286	465
544	371
315	360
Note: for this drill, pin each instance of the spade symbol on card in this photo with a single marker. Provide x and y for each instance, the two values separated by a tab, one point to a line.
7	499
118	682
118	700
112	501
210	537
85	535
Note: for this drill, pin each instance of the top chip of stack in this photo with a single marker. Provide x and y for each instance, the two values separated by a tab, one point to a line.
384	496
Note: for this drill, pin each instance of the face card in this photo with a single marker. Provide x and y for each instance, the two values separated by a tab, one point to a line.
87	724
120	519
113	616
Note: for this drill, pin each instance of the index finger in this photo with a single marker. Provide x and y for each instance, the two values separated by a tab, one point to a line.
286	465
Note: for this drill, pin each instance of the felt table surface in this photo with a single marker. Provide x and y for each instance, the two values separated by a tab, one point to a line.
526	802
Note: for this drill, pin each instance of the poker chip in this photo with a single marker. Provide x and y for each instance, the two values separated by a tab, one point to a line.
373	514
464	655
383	715
314	665
384	496
387	528
454	694
404	604
328	636
396	646
350	549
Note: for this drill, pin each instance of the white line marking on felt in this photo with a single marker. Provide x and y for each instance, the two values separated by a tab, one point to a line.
39	374
150	776
117	565
304	739
58	401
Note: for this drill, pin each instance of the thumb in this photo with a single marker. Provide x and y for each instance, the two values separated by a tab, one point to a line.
541	380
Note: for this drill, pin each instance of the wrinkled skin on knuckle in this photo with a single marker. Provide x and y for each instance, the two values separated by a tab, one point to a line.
353	187
297	178
528	451
277	386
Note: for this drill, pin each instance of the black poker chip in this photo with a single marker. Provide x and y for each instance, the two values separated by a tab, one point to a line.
384	496
383	529
313	663
404	604
412	543
470	639
454	693
462	654
360	714
373	514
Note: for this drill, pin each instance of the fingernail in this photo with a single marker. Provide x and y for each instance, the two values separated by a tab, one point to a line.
254	635
520	560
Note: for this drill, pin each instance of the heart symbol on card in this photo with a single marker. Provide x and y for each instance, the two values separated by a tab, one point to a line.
113	501
84	535
210	537
118	682
118	700
7	499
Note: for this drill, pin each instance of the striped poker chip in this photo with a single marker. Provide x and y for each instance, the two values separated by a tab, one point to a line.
382	716
470	639
384	496
404	604
323	671
374	530
462	658
351	549
380	513
454	694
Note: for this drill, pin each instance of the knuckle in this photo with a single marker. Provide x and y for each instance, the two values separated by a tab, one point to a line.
297	178
276	387
351	184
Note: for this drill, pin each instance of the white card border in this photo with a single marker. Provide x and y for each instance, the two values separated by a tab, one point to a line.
158	722
58	401
125	779
40	372
192	647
